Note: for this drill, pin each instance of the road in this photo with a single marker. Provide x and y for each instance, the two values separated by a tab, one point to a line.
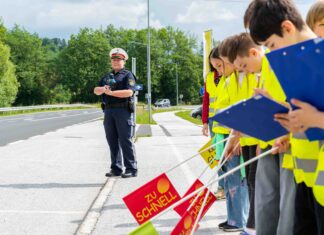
20	127
173	140
50	183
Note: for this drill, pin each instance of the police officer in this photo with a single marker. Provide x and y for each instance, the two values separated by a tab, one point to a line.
117	89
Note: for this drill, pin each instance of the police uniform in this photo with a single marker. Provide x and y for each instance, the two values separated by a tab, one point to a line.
118	121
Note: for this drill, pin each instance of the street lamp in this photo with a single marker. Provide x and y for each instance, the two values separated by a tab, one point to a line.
149	60
177	83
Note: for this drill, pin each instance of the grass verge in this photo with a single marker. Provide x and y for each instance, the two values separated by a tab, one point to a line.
186	115
20	112
142	116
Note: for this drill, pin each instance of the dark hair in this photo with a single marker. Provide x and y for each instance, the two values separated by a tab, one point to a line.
212	69
214	54
225	46
247	15
266	16
239	45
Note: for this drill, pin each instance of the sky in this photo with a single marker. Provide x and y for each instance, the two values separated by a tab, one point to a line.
61	18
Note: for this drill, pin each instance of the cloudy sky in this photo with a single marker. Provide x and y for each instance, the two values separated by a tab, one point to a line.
61	18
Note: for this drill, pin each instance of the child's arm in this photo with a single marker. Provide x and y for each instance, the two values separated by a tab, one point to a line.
301	119
283	144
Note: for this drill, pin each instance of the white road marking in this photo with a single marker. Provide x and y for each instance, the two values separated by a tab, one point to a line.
39	212
73	115
51	161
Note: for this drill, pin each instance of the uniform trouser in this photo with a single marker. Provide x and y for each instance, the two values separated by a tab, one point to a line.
237	198
309	216
248	153
119	128
275	191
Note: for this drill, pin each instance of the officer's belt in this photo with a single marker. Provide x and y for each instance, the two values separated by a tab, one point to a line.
117	105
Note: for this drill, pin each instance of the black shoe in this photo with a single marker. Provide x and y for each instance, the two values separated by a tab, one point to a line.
113	174
230	228
129	174
221	225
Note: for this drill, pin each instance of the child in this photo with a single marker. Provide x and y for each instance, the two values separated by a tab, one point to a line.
235	188
276	24
212	88
274	186
315	18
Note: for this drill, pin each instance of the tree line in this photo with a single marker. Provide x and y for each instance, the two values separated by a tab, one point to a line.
35	70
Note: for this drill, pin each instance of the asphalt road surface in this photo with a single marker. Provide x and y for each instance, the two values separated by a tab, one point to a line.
20	127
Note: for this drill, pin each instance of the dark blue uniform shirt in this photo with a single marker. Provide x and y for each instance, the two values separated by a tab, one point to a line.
124	80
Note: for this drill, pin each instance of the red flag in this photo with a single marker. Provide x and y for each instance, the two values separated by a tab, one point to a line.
187	221
152	198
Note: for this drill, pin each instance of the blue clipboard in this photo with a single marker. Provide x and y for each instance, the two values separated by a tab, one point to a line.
314	57
300	79
254	117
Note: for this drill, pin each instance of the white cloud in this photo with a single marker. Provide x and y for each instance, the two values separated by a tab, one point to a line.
63	17
92	13
204	12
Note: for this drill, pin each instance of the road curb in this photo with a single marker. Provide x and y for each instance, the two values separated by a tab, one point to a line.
91	218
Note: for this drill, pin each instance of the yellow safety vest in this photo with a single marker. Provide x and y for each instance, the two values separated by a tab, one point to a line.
247	83
318	188
226	97
306	156
213	91
269	82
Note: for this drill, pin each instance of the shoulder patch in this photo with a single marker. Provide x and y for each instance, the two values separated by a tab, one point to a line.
131	82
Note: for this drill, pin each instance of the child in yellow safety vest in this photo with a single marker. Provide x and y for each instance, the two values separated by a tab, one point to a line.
274	187
276	24
308	116
235	187
212	87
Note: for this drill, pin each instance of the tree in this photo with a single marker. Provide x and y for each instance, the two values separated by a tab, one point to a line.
8	81
29	57
83	62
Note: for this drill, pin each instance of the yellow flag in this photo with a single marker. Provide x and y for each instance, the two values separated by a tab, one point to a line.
208	45
209	154
145	229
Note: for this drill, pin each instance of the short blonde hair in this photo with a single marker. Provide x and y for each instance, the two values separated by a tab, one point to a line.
315	14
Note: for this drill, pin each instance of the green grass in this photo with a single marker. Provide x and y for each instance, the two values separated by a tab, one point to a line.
142	116
186	115
20	112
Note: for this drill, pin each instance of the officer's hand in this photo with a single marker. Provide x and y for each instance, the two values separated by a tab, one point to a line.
101	89
108	91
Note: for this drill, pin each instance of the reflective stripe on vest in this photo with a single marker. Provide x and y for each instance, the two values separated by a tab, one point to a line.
320	179
212	100
307	165
300	136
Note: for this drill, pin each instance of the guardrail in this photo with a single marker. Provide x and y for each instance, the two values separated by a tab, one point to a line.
37	107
